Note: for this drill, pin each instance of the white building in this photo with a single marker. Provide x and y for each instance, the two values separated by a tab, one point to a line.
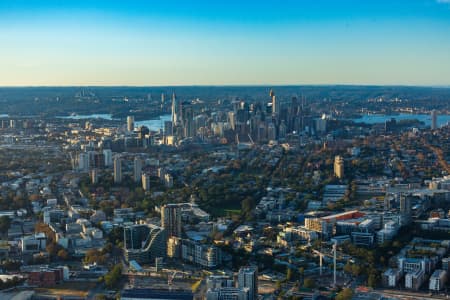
391	277
438	280
34	243
130	123
107	153
413	280
146	182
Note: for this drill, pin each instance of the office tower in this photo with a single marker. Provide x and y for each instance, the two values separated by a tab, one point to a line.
339	166
188	122
108	157
144	242
174	110
83	162
433	119
146	182
248	278
275	103
405	205
94	176
137	169
271	132
163	98
168	180
130	123
117	170
168	129
232	120
282	130
171	219
98	160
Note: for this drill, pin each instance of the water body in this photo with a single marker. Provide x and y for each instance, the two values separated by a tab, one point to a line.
154	124
92	116
374	119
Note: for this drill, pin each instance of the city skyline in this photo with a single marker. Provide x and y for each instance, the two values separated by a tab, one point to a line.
141	43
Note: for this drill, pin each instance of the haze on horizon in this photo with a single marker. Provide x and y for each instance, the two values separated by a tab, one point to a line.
147	43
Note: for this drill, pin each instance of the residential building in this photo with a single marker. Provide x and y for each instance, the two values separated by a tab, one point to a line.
171	219
137	169
248	278
339	166
391	277
146	182
117	170
414	279
438	280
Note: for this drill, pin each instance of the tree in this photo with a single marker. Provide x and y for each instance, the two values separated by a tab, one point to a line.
247	205
288	274
356	270
309	283
53	249
345	294
113	277
63	254
94	256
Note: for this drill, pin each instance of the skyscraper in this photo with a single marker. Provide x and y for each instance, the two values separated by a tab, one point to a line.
275	103
94	176
117	170
248	278
339	166
171	219
174	110
145	182
137	170
83	162
108	157
130	123
433	119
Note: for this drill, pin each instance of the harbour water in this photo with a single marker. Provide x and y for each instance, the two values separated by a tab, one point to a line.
153	124
374	119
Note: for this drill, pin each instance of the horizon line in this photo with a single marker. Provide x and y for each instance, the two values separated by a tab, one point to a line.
444	86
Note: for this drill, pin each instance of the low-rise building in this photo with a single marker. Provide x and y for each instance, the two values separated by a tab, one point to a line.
414	279
391	277
34	243
438	280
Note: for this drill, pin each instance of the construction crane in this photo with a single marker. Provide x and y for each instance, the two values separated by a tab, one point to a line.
320	259
251	140
170	279
321	255
334	262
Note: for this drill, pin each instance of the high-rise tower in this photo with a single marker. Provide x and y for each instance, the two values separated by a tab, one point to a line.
117	170
339	166
248	278
171	219
137	169
275	103
130	123
174	110
433	119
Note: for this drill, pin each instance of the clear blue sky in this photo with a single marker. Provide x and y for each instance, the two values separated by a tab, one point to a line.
88	42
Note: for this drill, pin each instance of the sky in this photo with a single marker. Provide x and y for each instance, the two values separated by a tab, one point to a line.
245	42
